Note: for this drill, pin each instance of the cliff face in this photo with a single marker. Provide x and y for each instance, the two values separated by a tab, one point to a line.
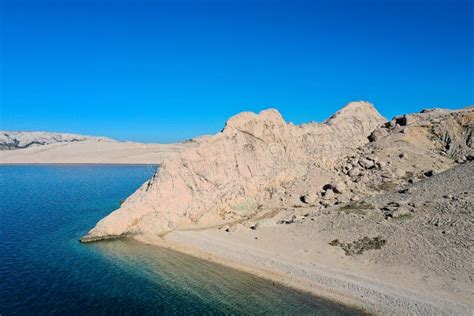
382	201
228	176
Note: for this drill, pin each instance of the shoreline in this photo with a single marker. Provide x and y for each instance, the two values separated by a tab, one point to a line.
260	273
340	287
94	152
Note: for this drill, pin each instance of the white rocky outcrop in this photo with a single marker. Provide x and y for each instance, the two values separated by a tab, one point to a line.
227	176
19	140
410	147
371	210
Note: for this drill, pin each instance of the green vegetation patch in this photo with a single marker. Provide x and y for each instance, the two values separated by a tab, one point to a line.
387	186
359	246
356	208
335	242
245	206
408	175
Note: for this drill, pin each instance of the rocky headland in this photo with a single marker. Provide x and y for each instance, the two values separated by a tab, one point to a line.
374	212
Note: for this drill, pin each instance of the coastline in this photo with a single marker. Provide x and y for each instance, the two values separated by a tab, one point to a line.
273	276
94	152
382	228
343	287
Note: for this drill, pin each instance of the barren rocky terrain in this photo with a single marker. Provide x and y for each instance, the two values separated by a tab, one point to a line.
261	161
378	212
405	251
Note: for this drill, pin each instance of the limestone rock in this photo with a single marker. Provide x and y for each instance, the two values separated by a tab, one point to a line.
366	163
378	134
339	187
328	195
310	198
354	172
226	176
20	140
259	159
411	144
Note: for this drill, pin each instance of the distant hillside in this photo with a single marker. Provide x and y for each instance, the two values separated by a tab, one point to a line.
20	140
42	147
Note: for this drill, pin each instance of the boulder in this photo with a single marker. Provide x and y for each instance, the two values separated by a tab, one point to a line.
401	211
310	198
339	187
328	195
354	172
378	134
429	173
366	163
372	158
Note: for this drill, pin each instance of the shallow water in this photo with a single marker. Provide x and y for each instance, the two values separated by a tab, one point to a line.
44	210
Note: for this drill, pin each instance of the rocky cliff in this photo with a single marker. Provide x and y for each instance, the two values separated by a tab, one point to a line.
255	158
259	163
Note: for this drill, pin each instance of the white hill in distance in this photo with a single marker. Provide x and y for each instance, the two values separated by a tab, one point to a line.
44	147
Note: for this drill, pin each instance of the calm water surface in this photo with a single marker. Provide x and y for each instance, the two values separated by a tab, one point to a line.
44	210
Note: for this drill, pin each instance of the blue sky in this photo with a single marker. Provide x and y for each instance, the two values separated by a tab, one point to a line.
170	70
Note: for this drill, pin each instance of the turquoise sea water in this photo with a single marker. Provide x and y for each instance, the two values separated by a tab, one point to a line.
44	270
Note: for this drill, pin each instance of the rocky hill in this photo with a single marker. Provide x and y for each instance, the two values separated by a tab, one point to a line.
21	140
259	161
377	212
254	159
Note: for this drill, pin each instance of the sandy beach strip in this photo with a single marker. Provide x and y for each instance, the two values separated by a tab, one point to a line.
93	152
377	296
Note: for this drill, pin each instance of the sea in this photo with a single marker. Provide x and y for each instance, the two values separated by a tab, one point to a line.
44	270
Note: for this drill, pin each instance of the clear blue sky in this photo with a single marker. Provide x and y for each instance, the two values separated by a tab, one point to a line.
170	70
